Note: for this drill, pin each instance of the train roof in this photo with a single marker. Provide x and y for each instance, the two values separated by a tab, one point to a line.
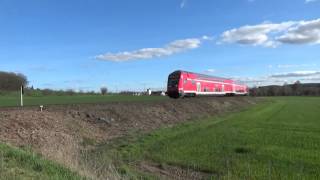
204	75
209	76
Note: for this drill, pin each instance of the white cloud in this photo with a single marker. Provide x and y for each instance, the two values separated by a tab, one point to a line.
174	47
310	1
209	38
296	74
288	66
304	32
254	35
41	68
262	81
285	66
281	78
270	66
275	34
183	3
208	71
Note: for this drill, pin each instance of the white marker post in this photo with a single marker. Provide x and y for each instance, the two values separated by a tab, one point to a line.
21	95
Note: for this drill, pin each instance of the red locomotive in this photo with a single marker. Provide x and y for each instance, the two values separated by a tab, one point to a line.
183	83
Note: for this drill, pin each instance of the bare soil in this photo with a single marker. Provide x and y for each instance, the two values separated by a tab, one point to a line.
61	131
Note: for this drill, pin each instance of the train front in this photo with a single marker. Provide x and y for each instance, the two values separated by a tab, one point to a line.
173	84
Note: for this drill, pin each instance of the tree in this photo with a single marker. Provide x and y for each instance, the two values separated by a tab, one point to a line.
104	90
12	81
296	87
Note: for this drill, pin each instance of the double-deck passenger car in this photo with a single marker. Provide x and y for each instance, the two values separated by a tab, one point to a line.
183	83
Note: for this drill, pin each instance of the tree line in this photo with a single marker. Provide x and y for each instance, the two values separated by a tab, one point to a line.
11	83
296	89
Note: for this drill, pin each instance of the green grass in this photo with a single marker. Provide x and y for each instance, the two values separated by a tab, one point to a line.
14	100
21	164
278	139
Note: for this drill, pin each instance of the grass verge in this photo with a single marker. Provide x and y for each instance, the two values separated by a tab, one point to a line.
279	139
23	164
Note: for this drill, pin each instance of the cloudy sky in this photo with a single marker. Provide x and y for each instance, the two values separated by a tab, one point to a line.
83	44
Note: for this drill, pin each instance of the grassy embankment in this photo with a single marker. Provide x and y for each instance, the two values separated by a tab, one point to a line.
14	99
23	164
279	139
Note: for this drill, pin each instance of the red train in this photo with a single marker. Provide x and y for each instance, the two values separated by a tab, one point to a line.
183	83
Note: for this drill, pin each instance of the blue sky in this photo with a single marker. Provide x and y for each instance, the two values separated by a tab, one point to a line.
129	45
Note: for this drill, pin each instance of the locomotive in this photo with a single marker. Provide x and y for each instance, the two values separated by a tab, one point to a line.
183	83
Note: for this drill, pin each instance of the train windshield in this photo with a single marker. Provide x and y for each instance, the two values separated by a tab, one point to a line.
173	79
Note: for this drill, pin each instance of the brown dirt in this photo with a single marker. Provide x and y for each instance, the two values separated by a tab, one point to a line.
60	131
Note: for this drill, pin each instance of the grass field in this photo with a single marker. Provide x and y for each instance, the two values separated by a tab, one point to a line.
14	100
20	164
279	139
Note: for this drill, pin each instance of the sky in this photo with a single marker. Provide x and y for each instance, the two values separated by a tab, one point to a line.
135	44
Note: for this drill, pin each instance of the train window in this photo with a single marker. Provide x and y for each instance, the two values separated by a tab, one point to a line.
185	81
172	82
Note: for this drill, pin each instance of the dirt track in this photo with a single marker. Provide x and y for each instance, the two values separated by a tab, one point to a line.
59	131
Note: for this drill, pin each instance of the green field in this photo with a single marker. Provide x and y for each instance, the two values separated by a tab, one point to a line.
278	139
21	164
14	100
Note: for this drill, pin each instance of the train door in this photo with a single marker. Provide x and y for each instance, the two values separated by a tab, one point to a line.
198	87
222	88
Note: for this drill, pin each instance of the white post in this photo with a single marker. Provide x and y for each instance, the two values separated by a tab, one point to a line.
21	96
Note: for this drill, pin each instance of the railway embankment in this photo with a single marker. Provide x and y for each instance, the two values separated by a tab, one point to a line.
61	132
